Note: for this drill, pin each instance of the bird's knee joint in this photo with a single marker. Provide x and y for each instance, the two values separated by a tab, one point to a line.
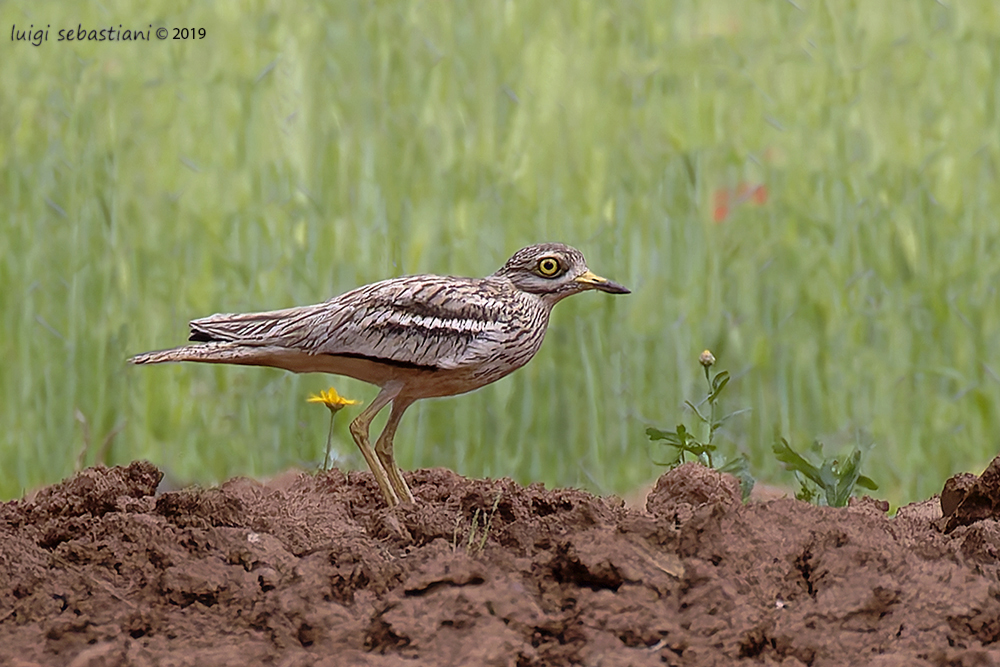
359	430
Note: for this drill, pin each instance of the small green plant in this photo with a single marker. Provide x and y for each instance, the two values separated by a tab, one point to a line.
832	482
701	448
475	539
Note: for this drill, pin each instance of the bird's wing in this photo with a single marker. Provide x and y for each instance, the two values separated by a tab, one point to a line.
425	321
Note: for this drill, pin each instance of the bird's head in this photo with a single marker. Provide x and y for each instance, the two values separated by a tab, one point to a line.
554	271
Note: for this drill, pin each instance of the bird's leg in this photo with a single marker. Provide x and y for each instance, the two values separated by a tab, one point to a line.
359	430
383	447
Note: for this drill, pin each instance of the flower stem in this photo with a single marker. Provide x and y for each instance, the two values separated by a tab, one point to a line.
329	442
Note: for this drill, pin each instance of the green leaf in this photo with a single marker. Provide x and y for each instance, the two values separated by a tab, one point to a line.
726	418
793	461
838	493
699	448
719	383
682	440
672	437
657	434
683	437
829	479
696	411
867	483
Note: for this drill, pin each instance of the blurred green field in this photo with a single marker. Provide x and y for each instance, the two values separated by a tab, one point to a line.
809	189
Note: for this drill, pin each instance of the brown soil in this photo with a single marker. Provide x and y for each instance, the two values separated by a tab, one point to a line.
312	570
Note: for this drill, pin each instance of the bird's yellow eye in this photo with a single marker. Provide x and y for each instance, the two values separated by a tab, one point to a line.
548	266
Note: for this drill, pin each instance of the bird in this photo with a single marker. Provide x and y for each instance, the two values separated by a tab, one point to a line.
414	337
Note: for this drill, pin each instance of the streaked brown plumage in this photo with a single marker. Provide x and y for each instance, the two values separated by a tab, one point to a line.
415	337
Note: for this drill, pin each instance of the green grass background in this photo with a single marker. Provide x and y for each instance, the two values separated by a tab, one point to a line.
300	150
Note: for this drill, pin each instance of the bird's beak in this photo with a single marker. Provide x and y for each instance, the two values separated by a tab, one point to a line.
590	280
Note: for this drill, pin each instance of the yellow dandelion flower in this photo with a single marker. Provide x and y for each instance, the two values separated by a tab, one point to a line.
331	399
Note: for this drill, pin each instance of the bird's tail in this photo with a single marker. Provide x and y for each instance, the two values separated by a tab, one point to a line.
213	353
227	352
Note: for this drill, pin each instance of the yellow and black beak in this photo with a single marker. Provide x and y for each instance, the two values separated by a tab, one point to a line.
590	280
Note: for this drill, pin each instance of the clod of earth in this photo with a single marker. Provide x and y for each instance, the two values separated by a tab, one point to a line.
100	570
967	499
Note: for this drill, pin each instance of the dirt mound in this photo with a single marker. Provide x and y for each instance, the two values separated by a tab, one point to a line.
312	570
